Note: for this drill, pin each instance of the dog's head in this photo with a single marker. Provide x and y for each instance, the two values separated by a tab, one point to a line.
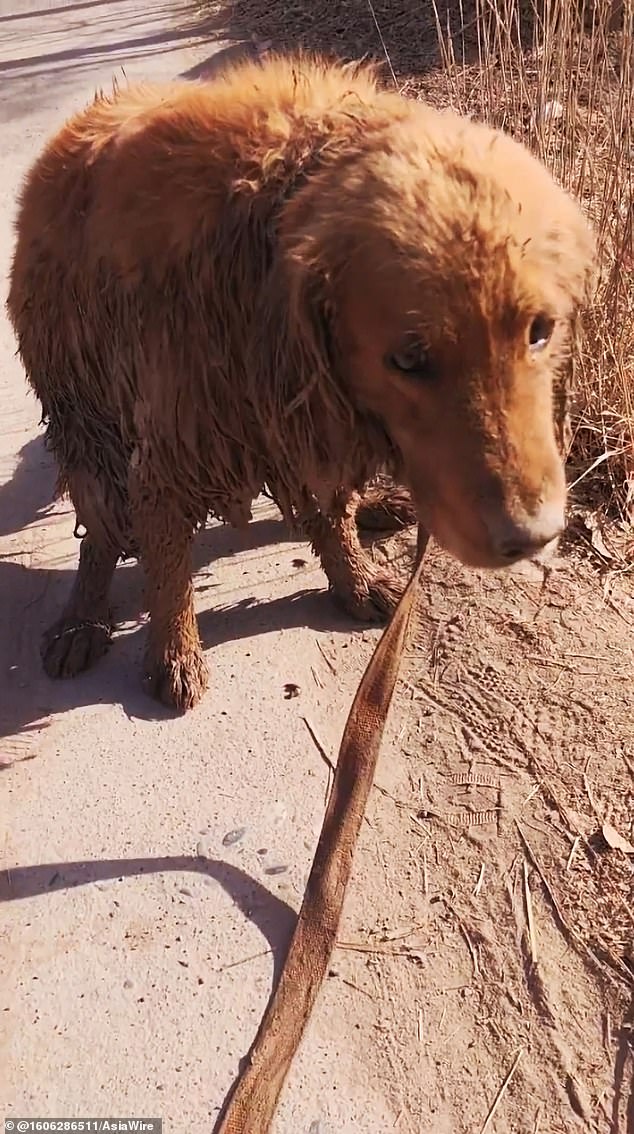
455	266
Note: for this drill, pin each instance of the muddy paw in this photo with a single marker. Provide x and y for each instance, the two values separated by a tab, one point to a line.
385	508
70	647
375	600
178	682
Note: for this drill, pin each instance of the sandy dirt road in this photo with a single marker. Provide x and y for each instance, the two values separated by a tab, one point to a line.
136	970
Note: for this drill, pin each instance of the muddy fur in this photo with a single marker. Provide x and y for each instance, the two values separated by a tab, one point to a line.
385	506
206	285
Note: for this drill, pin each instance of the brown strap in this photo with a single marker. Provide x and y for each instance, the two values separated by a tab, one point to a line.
251	1106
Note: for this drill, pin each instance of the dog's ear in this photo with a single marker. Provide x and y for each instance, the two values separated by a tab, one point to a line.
302	408
569	254
298	314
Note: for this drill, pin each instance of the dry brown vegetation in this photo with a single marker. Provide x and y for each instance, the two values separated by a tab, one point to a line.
559	76
569	94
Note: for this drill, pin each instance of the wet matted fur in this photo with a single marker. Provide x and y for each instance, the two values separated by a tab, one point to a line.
288	276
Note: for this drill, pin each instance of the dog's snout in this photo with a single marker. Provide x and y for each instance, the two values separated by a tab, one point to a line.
519	538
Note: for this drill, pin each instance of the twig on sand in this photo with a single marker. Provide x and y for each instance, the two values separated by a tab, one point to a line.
243	960
573	851
380	950
324	755
616	966
532	937
478	886
471	948
324	655
319	746
498	1098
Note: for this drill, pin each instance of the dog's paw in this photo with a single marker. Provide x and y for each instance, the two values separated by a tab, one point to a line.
385	508
374	599
178	682
70	647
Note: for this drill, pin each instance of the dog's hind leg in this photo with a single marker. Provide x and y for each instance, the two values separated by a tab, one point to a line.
365	591
385	506
176	671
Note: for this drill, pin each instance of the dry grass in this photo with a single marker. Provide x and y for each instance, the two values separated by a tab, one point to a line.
569	94
558	75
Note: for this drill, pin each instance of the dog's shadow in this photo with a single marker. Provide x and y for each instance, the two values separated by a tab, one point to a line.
30	697
33	596
27	495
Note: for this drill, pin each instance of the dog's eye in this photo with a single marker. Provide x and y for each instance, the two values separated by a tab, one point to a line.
412	359
540	332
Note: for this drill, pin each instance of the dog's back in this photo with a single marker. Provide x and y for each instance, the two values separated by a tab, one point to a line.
140	174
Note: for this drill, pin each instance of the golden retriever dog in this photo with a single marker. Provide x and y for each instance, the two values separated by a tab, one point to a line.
290	277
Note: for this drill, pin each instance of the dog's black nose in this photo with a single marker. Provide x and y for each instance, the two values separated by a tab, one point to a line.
520	538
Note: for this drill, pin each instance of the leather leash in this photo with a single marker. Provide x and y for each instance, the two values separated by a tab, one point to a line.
251	1105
